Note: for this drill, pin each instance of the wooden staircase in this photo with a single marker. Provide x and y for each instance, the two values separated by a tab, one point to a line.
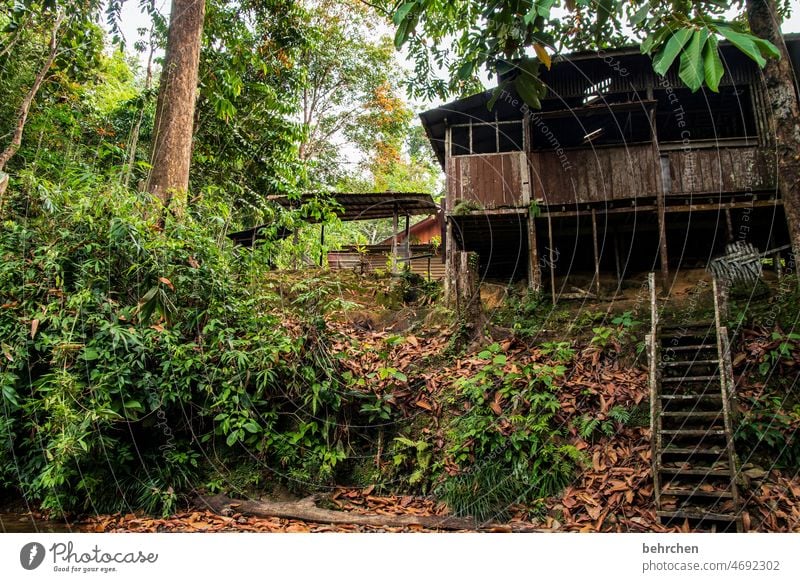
694	462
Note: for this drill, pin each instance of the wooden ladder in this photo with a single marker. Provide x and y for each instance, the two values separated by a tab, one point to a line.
691	420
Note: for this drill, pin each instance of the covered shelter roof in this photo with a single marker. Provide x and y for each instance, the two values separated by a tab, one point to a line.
368	206
352	206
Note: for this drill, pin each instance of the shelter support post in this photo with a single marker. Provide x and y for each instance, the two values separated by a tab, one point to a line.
552	259
617	262
394	239
406	239
596	254
534	270
321	244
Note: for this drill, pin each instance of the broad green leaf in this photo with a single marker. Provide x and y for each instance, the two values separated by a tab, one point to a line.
640	14
527	88
655	39
400	37
767	48
465	70
402	12
712	64
251	427
744	42
665	58
544	7
692	69
604	10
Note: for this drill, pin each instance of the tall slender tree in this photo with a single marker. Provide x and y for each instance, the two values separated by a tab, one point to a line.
174	124
30	95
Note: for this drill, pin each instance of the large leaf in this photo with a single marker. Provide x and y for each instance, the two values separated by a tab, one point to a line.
465	70
402	12
745	43
655	39
767	48
665	58
640	14
406	24
712	64
531	89
692	70
604	10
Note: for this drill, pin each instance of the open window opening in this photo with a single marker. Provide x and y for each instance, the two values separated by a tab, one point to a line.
705	115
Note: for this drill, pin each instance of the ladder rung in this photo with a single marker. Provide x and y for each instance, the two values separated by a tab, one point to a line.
698	514
709	396
690	363
690	378
703	472
695	347
688	325
693	414
694	492
692	451
694	432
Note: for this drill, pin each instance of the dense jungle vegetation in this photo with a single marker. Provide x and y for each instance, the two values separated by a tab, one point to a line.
144	358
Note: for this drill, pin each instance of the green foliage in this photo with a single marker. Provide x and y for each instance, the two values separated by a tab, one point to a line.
590	427
560	352
415	458
507	446
784	346
464	37
769	428
127	353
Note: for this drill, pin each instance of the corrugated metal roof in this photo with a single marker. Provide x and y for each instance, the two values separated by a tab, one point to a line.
567	70
353	206
371	205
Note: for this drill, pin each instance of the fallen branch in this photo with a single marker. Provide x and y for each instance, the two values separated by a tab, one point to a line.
306	509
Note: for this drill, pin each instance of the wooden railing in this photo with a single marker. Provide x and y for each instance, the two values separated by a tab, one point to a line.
716	170
727	383
654	357
598	175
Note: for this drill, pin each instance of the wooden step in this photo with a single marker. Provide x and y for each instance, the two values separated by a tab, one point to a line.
704	333
702	472
710	396
698	514
684	453
695	492
694	414
694	432
689	379
677	363
690	348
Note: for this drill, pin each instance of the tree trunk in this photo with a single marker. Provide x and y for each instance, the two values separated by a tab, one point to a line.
783	100
306	510
172	141
27	101
134	141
